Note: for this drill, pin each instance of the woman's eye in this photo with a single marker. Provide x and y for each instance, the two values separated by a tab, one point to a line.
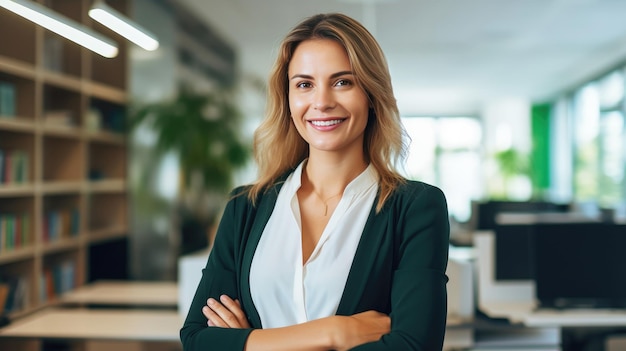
343	82
303	85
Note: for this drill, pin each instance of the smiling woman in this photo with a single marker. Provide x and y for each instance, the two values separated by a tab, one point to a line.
328	107
331	248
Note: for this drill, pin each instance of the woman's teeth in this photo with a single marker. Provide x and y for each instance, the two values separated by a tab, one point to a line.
326	123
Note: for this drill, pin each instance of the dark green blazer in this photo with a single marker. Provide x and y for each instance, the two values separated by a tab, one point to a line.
399	269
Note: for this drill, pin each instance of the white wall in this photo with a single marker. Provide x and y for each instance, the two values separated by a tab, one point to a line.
507	124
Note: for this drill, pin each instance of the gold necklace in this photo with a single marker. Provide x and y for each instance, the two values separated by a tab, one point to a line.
326	202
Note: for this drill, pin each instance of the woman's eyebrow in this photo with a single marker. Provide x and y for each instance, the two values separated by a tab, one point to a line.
334	75
342	73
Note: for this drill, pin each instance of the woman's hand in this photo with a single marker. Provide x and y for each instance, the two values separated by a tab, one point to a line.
361	328
346	332
226	313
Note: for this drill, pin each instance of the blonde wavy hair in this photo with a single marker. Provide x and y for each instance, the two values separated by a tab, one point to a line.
279	148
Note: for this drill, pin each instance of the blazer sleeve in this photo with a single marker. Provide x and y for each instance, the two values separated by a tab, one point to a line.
218	277
418	291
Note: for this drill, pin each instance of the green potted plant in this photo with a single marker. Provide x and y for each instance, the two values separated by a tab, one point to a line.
203	131
513	171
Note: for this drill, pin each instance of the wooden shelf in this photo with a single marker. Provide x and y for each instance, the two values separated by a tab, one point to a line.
107	92
51	188
68	192
16	67
62	131
61	80
12	190
107	234
60	245
16	254
17	124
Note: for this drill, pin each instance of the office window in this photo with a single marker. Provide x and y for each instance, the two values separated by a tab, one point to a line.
586	116
611	155
599	146
445	151
611	91
611	158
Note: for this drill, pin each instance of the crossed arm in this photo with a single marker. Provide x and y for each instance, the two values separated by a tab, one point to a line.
331	333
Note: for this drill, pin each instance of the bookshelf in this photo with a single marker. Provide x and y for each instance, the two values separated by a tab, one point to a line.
63	152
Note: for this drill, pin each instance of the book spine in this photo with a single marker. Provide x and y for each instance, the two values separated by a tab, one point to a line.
7	167
10	228
3	238
7	100
2	165
26	231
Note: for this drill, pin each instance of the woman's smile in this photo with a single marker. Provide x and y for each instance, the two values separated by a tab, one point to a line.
326	124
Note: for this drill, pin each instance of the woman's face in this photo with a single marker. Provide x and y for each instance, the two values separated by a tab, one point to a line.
328	108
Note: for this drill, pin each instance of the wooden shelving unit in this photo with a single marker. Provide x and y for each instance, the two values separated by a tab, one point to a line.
71	202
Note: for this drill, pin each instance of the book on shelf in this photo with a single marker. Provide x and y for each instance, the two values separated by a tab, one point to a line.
7	169
15	231
19	166
17	293
65	276
1	166
7	99
4	296
14	166
57	279
61	224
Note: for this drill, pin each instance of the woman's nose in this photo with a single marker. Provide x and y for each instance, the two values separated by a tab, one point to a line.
323	99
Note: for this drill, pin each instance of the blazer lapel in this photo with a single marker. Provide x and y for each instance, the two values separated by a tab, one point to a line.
264	211
364	260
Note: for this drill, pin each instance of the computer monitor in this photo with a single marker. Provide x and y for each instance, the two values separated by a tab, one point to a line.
580	265
512	252
484	214
513	233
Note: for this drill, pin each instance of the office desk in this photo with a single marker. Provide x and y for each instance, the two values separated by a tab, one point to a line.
459	334
97	324
576	318
581	325
528	315
131	293
154	326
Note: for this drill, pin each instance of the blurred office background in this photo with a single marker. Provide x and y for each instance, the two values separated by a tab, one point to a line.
515	109
503	100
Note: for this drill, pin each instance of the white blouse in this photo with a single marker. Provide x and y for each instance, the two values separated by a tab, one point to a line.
284	291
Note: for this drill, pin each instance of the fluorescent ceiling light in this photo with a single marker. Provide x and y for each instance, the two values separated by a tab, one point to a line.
62	26
124	26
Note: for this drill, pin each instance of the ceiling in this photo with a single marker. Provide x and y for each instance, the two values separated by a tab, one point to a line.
448	56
